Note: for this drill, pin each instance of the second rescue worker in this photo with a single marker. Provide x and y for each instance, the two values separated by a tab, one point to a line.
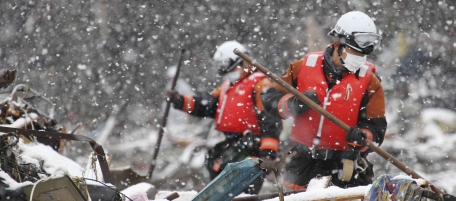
238	112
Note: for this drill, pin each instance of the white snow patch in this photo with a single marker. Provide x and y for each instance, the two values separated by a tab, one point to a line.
82	66
53	162
137	191
336	95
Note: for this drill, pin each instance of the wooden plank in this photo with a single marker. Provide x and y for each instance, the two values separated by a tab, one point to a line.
343	198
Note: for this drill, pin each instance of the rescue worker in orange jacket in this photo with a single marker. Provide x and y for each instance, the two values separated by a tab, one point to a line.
344	83
237	111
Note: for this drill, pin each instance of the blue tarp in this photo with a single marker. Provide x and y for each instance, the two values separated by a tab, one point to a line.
231	181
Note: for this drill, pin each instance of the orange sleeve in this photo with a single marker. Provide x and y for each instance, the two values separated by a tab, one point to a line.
282	106
376	106
189	104
269	143
259	88
291	74
216	91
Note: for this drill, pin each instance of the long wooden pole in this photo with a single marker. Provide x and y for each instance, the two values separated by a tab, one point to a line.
332	118
165	118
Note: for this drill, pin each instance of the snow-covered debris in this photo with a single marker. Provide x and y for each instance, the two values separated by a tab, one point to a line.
52	162
183	195
137	192
11	183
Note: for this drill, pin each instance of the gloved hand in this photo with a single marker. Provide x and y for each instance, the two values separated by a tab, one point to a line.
268	158
267	162
173	96
297	107
355	138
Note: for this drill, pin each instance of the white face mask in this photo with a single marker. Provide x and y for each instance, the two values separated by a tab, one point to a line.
354	62
232	76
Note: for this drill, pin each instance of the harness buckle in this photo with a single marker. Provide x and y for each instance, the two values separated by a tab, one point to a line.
316	142
360	165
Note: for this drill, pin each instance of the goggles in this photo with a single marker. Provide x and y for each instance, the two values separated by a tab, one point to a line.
364	40
227	66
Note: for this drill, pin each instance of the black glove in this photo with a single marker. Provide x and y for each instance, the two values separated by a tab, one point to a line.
355	138
268	153
297	107
173	96
268	159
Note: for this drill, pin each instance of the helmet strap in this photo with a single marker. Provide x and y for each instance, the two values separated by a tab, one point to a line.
339	52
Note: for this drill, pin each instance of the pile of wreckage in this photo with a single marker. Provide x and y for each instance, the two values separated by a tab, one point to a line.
23	128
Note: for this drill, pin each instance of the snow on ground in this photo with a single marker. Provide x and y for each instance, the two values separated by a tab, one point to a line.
316	191
330	192
315	194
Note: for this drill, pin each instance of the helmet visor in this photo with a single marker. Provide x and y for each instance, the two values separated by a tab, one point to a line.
364	40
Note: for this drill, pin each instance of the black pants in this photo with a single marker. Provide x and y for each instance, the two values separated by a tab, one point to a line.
302	168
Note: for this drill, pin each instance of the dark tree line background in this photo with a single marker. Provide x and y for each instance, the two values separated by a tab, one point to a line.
96	58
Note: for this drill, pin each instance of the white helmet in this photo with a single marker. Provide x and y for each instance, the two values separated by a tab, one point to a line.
225	58
358	31
171	72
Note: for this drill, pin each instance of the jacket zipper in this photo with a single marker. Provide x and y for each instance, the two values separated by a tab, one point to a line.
316	141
